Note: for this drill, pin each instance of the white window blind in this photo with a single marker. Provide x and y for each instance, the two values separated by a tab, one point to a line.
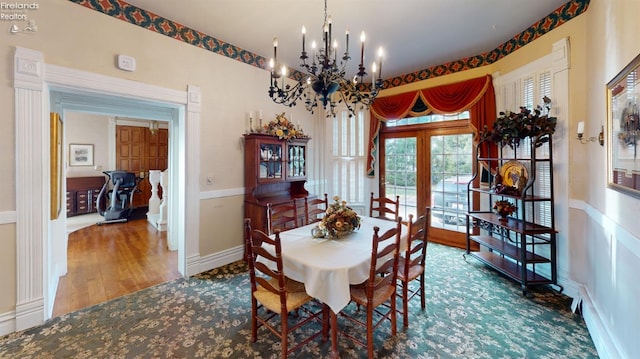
534	83
348	158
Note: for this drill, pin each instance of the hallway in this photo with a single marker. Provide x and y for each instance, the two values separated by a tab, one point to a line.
108	261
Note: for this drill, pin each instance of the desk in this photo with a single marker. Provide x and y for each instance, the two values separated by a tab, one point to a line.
327	267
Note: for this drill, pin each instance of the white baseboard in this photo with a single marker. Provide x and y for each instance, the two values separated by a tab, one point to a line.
7	323
29	314
193	265
570	288
599	334
219	259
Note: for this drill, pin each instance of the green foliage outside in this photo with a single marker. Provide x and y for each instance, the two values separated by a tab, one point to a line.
450	156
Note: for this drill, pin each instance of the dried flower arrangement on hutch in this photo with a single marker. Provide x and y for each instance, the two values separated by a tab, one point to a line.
512	220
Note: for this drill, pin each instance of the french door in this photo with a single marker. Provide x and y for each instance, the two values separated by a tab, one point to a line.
430	165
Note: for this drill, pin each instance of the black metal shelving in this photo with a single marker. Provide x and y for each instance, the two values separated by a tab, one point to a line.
522	247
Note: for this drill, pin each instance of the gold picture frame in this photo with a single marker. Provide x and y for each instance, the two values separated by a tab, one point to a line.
623	128
55	123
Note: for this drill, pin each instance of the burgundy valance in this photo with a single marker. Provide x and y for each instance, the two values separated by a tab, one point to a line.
475	95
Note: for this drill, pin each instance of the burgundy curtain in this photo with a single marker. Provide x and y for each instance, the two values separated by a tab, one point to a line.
476	95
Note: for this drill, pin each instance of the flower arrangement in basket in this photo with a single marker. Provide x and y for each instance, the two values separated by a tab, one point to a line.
339	219
284	129
504	208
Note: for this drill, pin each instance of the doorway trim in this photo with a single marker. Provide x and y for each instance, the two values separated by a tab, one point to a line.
36	234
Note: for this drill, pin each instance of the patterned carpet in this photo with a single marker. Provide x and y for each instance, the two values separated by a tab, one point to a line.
472	312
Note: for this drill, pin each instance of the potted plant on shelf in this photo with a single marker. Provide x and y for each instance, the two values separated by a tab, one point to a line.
504	208
511	127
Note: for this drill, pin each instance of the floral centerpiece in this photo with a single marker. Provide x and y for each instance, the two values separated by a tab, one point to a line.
282	128
339	219
504	208
511	127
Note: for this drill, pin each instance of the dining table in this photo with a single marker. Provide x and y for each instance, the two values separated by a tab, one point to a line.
328	267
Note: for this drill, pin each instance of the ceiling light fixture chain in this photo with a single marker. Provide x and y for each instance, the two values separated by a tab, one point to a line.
325	79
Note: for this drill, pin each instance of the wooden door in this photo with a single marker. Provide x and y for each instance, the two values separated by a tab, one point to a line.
138	151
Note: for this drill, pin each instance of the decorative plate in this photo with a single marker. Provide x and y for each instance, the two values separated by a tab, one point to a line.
512	173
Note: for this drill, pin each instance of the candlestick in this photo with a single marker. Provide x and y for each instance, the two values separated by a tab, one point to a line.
329	21
271	65
313	47
347	43
380	57
373	74
275	49
325	35
362	39
580	128
304	31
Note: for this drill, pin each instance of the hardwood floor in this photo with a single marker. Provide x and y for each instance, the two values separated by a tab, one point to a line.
108	261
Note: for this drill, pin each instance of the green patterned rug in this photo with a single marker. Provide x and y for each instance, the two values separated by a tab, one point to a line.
472	312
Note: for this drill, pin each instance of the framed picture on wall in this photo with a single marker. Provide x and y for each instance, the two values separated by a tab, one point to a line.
623	125
80	155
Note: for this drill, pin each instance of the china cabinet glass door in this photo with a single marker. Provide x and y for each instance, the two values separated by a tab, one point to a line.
270	161
296	157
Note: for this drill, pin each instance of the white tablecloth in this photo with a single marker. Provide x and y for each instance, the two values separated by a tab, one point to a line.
326	266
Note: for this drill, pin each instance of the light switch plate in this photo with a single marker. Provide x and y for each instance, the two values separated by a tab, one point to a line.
126	63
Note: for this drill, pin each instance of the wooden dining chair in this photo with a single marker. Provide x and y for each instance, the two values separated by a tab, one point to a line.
384	207
411	263
282	216
378	293
315	208
273	294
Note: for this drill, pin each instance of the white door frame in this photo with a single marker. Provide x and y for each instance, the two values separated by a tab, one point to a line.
36	234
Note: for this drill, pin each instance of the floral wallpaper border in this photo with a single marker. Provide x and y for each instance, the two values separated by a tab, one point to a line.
150	21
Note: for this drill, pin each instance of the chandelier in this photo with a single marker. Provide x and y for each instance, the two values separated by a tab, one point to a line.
324	76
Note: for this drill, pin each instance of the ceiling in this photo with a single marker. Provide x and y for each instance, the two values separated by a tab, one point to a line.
415	34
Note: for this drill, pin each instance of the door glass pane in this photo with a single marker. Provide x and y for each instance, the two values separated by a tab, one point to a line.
451	171
400	173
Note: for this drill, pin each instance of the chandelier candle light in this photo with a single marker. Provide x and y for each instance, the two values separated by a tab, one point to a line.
325	75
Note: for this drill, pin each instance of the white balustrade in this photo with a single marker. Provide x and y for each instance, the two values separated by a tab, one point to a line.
154	200
161	223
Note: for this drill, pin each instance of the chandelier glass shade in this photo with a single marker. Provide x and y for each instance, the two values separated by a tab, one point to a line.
324	80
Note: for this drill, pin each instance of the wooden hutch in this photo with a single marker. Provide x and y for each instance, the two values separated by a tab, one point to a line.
275	172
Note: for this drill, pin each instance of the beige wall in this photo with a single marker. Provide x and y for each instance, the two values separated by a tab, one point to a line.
611	226
90	129
8	267
604	238
603	250
76	37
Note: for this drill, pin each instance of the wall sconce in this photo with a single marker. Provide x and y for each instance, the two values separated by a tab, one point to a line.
581	138
153	127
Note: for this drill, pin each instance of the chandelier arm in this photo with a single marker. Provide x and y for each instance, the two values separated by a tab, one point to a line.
325	80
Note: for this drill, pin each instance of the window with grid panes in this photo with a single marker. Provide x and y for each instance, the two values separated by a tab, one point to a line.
348	160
